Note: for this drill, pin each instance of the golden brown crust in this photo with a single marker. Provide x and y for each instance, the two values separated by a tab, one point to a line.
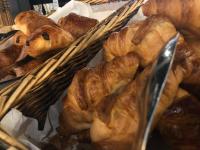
45	39
90	86
183	13
76	25
138	37
117	124
29	21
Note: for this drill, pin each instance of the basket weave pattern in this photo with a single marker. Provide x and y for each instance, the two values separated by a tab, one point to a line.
5	16
97	2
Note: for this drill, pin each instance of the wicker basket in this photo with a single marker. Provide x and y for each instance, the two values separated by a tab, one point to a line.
5	16
8	142
98	2
39	89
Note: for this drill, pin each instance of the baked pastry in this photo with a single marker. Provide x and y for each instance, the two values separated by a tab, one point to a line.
29	21
76	25
88	88
185	14
179	125
116	119
46	39
138	37
11	49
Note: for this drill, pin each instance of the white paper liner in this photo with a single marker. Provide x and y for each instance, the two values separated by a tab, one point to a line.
98	12
26	129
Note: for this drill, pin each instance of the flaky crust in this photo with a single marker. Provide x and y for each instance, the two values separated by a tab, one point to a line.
29	21
76	25
138	38
46	39
89	86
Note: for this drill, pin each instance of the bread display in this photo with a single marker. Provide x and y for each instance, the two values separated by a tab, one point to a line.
112	116
101	106
76	25
39	38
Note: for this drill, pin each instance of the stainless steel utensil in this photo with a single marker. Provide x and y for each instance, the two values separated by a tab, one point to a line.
153	90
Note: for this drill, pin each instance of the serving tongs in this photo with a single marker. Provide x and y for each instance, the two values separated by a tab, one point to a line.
153	91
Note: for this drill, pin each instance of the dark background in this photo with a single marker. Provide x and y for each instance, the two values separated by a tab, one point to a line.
17	6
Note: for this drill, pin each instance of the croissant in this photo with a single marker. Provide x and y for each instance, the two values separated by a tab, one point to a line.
185	14
116	119
138	37
179	125
76	25
89	86
46	39
29	21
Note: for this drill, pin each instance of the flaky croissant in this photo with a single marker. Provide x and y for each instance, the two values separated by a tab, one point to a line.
116	118
46	39
106	131
29	21
185	14
144	38
88	88
76	25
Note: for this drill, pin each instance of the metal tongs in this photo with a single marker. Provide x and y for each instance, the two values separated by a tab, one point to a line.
153	91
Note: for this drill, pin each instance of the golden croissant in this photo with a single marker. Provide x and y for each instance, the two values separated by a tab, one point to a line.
145	38
88	88
116	120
